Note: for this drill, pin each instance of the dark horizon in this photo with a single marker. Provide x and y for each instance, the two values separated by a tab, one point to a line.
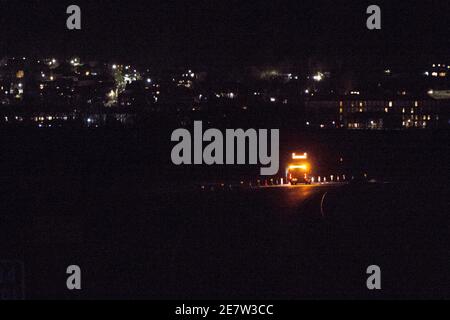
226	33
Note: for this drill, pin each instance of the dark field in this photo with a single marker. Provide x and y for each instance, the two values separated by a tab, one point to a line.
112	203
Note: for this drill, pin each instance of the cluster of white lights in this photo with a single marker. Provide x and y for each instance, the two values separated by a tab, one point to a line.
189	74
318	77
75	62
441	66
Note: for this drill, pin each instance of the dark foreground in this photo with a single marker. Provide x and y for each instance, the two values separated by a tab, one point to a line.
86	200
280	242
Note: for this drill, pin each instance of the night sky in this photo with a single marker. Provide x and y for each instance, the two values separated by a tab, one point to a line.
225	32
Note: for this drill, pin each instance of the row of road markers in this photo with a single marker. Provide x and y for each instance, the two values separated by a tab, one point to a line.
261	183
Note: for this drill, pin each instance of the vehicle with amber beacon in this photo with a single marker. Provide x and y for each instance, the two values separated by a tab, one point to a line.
299	171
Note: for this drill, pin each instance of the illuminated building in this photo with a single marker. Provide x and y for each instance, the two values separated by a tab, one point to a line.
378	114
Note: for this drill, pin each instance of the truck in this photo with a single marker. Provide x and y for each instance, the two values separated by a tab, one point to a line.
299	171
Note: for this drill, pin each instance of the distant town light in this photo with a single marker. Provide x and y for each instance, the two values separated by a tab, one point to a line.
114	66
318	77
20	74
